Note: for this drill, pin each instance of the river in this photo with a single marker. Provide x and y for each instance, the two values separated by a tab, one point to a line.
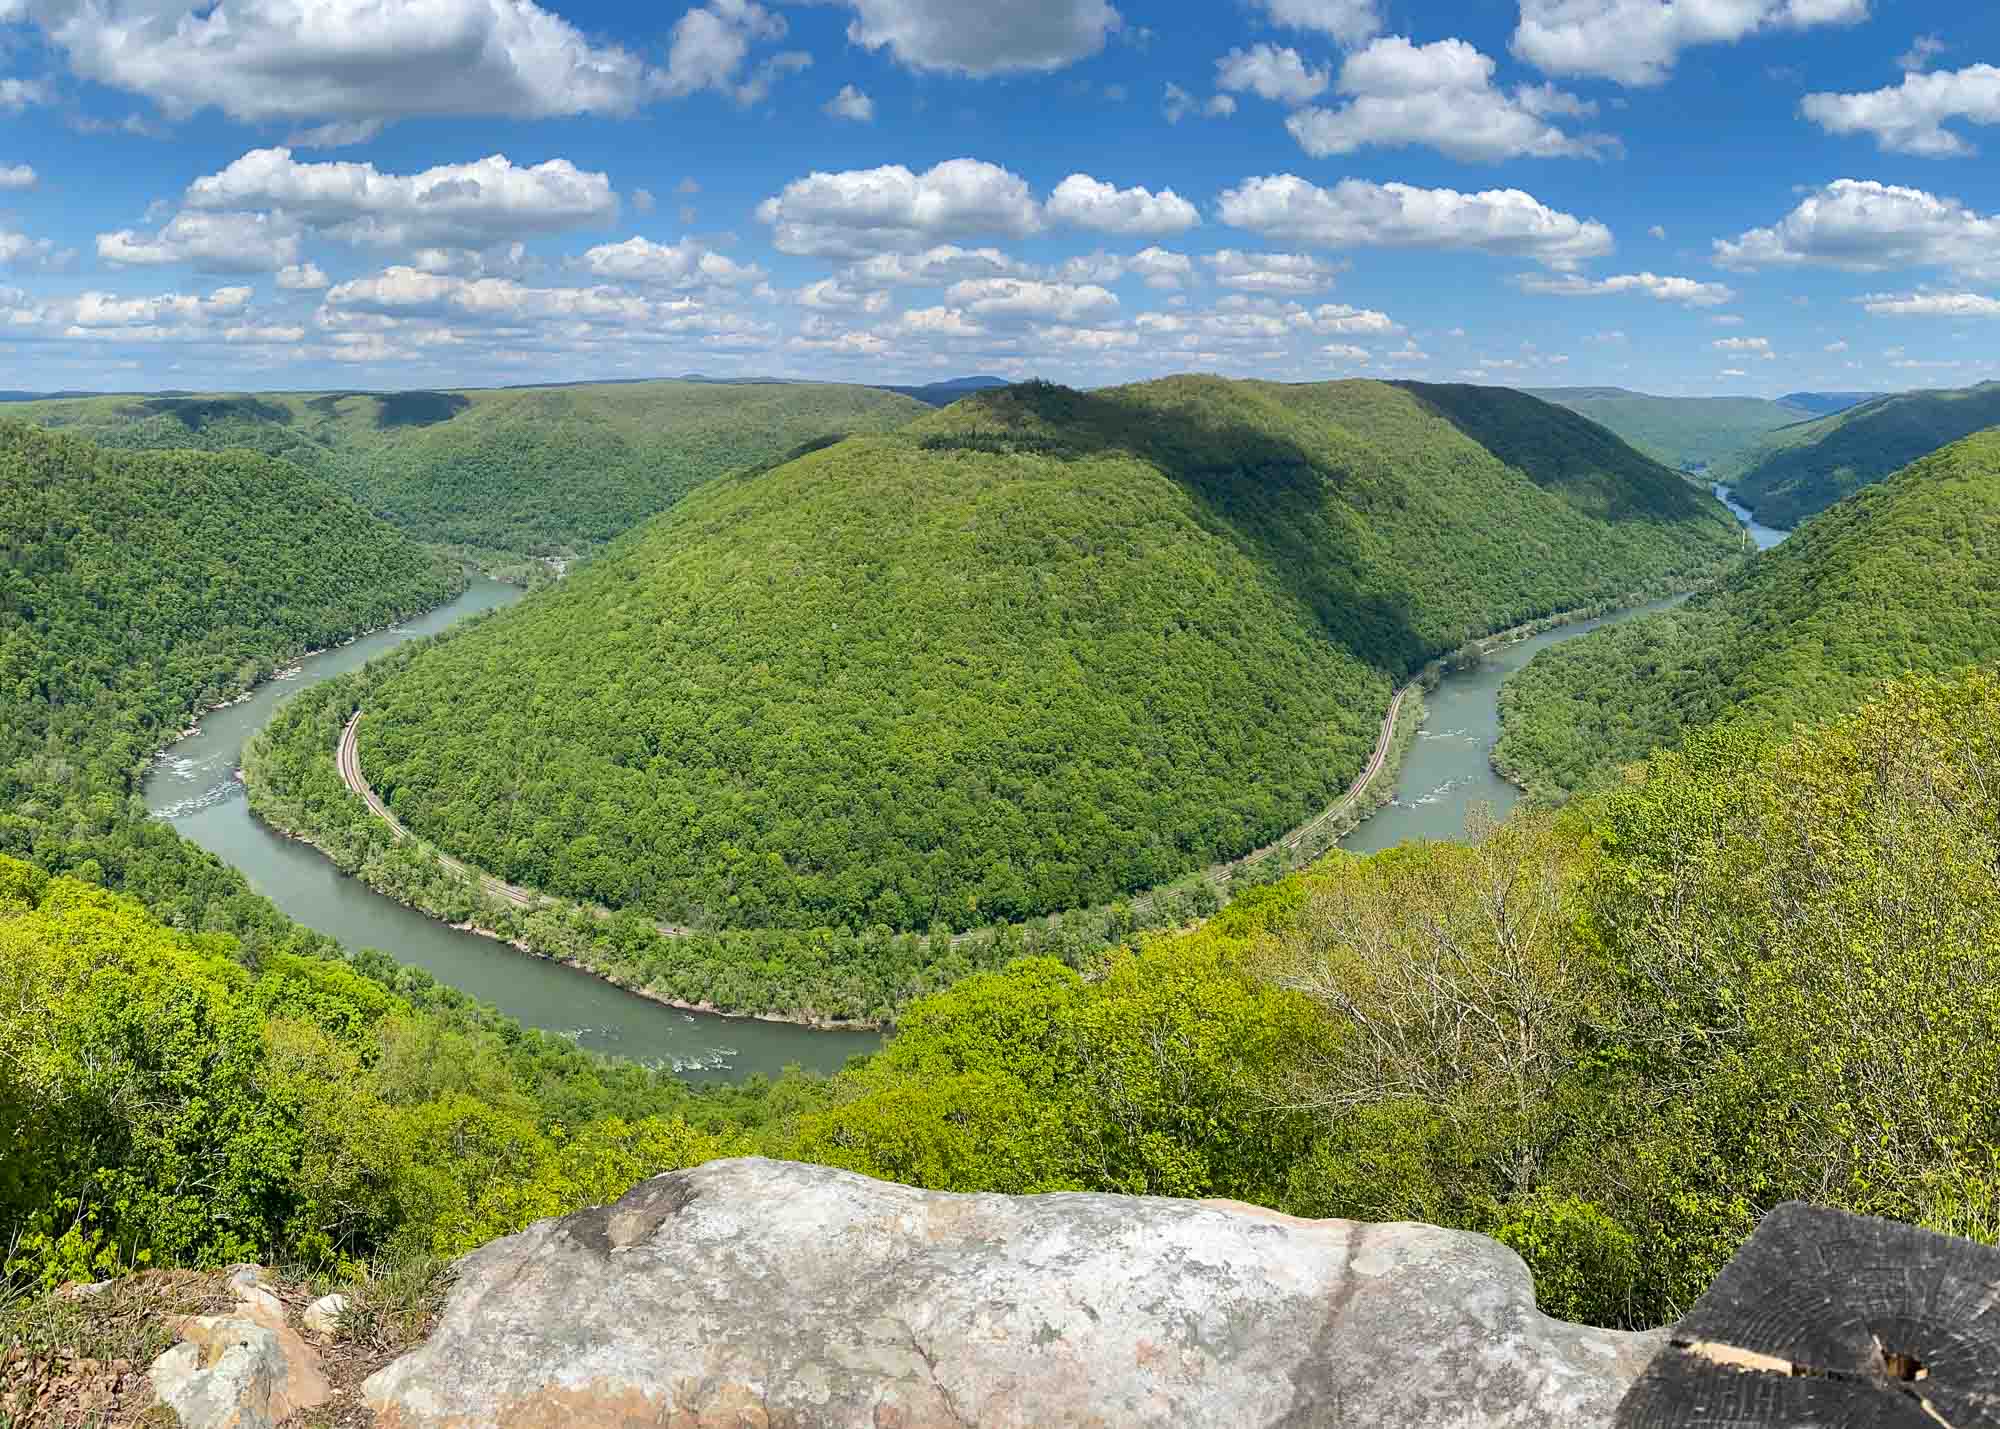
194	785
1765	536
1448	771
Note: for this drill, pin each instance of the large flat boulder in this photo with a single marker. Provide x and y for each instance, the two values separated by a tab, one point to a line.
752	1292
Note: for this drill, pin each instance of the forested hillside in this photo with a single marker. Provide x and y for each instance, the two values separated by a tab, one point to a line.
1035	652
1902	576
1692	434
544	471
1802	470
137	587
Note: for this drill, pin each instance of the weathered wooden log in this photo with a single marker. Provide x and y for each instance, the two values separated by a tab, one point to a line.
1834	1321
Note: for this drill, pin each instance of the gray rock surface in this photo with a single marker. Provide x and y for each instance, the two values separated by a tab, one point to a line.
322	1317
753	1292
243	1370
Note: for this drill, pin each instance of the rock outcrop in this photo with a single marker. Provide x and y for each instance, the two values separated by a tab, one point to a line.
753	1292
244	1370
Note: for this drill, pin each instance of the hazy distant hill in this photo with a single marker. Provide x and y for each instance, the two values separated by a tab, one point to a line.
941	394
1691	434
1899	577
537	470
1800	470
1825	404
1037	650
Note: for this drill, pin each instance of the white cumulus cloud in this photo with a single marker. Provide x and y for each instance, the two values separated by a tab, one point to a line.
259	60
851	104
1084	202
1271	72
935	266
1909	118
1016	298
1442	96
1356	213
473	204
978	37
228	242
859	212
17	176
1347	21
1862	225
1636	42
1687	291
1928	305
686	264
1290	273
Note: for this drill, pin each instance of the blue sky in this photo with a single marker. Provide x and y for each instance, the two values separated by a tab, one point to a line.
1680	196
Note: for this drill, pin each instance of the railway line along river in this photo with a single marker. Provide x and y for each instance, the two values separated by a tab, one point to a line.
193	784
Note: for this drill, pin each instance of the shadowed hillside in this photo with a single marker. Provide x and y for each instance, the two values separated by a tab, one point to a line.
1902	576
1805	469
1038	650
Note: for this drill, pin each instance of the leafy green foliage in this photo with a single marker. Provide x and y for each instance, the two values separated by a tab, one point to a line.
553	471
1899	577
1039	651
1152	1077
136	588
1687	433
162	1103
1805	469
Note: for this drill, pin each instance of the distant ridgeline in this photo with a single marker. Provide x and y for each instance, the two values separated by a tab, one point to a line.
1693	434
534	471
1034	652
1903	576
1800	470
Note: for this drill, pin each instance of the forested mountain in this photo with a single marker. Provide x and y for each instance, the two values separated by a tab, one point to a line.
536	471
1904	575
1825	404
137	587
1804	469
943	394
1687	433
1034	652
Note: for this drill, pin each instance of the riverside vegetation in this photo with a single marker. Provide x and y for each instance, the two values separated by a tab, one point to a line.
1039	651
1763	966
1899	577
1801	470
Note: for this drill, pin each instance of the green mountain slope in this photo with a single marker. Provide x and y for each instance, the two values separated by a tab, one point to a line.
540	471
135	587
1902	576
1034	652
1805	469
1690	434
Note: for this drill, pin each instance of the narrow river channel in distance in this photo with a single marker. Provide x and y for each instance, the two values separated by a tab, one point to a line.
194	785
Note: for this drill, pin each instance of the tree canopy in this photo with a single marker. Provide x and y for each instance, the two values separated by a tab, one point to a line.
1805	469
1691	434
1037	651
540	471
1899	577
